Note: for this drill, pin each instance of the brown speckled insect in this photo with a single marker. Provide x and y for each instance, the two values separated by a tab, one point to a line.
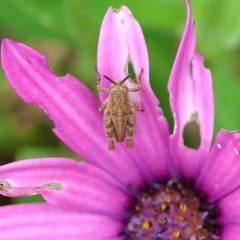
119	115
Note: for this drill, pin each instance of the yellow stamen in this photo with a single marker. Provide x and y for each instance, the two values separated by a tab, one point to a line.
176	233
183	207
163	206
146	224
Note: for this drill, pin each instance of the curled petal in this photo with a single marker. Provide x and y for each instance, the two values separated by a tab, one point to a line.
67	183
44	221
191	99
220	174
121	40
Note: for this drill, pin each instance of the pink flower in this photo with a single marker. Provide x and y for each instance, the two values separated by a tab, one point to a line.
125	193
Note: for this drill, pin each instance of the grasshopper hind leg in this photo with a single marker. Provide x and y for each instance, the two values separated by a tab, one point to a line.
130	128
109	130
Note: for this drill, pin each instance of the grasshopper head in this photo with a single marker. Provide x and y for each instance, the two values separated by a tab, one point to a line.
118	89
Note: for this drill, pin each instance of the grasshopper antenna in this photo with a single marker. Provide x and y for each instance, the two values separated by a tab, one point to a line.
109	79
124	79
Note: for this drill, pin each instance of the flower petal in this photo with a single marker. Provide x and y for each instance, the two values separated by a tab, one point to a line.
112	47
191	99
220	174
67	183
72	107
229	208
230	232
43	221
121	40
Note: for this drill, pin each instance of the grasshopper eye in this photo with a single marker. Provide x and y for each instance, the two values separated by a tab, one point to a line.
112	90
124	90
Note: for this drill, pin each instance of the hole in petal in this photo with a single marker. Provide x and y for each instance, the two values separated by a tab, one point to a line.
53	186
130	70
60	57
116	10
4	185
191	133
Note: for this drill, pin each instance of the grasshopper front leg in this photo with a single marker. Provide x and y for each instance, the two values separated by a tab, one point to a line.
136	89
99	88
103	106
140	109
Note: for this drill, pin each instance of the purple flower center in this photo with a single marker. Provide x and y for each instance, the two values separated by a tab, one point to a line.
172	211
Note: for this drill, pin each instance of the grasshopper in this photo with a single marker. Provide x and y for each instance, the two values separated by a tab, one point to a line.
119	115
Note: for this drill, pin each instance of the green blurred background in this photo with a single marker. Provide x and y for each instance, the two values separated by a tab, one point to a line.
66	31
